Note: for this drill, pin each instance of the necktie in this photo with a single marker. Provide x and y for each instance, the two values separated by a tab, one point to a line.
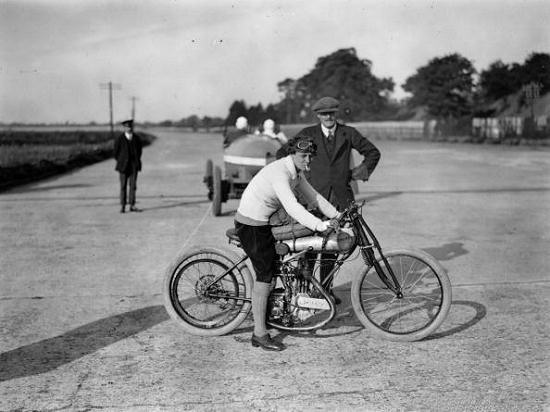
330	141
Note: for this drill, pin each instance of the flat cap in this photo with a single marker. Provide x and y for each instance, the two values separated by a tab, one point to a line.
128	123
326	104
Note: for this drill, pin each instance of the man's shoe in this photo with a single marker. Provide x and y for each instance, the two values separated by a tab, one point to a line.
134	209
122	209
266	343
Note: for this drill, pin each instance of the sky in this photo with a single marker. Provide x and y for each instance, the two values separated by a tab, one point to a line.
184	57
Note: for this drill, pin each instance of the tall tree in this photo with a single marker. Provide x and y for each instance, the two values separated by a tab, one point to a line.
288	102
255	114
537	69
500	80
445	86
238	108
344	76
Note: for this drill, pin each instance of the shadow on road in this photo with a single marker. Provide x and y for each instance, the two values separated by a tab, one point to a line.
447	251
480	313
48	354
179	204
345	317
26	189
377	196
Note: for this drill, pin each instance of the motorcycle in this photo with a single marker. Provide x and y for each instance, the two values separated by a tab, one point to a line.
400	295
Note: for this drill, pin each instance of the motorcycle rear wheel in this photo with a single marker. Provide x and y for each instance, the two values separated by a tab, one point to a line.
202	308
419	312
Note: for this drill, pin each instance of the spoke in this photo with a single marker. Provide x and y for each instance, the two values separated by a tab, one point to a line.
428	270
377	297
375	285
406	275
425	296
385	306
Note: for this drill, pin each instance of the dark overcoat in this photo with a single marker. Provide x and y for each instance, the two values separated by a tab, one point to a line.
330	171
123	153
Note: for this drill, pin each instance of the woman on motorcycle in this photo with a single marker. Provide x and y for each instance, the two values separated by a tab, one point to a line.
276	186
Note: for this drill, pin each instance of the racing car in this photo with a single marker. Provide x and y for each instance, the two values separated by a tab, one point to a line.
243	158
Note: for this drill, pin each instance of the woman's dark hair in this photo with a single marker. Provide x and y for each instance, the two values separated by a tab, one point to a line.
302	144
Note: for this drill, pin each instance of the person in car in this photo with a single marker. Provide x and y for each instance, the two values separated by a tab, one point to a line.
241	129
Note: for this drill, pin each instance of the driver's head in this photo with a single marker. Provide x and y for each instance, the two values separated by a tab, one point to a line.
241	123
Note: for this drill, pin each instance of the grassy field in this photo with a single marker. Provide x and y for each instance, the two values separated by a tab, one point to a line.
28	155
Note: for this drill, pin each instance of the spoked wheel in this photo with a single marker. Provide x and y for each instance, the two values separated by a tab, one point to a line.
201	305
419	311
217	191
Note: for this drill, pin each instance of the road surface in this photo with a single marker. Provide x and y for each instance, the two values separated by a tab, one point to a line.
84	327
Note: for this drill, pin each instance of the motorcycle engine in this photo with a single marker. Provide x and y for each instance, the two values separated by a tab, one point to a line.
299	313
276	302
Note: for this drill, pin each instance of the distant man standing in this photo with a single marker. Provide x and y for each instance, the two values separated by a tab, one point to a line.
128	147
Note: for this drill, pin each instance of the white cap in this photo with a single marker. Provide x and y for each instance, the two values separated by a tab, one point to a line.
269	125
241	122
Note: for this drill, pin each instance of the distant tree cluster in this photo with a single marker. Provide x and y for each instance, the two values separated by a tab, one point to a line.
502	79
344	76
194	122
340	74
255	114
447	87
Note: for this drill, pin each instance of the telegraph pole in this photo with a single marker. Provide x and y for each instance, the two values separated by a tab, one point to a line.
133	99
110	86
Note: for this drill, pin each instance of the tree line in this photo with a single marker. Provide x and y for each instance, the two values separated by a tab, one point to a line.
447	87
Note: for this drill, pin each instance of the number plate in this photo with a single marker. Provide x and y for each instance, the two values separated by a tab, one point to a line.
312	303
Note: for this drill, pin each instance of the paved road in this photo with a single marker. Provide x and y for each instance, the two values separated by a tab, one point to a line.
83	326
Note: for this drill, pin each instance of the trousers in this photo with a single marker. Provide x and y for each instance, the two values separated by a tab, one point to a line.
128	179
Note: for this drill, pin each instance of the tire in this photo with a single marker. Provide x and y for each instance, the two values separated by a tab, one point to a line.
217	192
209	168
186	299
425	303
208	177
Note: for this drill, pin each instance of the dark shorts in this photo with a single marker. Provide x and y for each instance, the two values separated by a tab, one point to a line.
259	244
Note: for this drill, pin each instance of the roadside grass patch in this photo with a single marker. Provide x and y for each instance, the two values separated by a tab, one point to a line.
26	156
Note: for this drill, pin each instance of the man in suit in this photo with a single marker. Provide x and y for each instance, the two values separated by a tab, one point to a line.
128	147
330	171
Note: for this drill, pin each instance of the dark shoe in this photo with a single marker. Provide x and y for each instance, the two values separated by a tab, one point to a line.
134	209
122	209
266	343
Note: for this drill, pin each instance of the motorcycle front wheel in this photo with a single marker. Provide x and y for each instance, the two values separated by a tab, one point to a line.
199	302
418	311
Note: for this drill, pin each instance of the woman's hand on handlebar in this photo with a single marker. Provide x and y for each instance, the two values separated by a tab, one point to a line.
334	224
326	227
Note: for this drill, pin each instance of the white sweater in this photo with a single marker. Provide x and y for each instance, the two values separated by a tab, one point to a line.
274	187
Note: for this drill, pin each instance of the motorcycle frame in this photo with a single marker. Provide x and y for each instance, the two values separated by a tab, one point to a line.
365	240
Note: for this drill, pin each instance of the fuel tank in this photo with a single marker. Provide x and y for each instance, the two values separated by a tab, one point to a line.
337	242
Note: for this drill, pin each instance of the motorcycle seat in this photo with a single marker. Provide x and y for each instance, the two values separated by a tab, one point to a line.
284	232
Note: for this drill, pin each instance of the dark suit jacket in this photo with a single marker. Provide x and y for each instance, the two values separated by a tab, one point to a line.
123	153
332	171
